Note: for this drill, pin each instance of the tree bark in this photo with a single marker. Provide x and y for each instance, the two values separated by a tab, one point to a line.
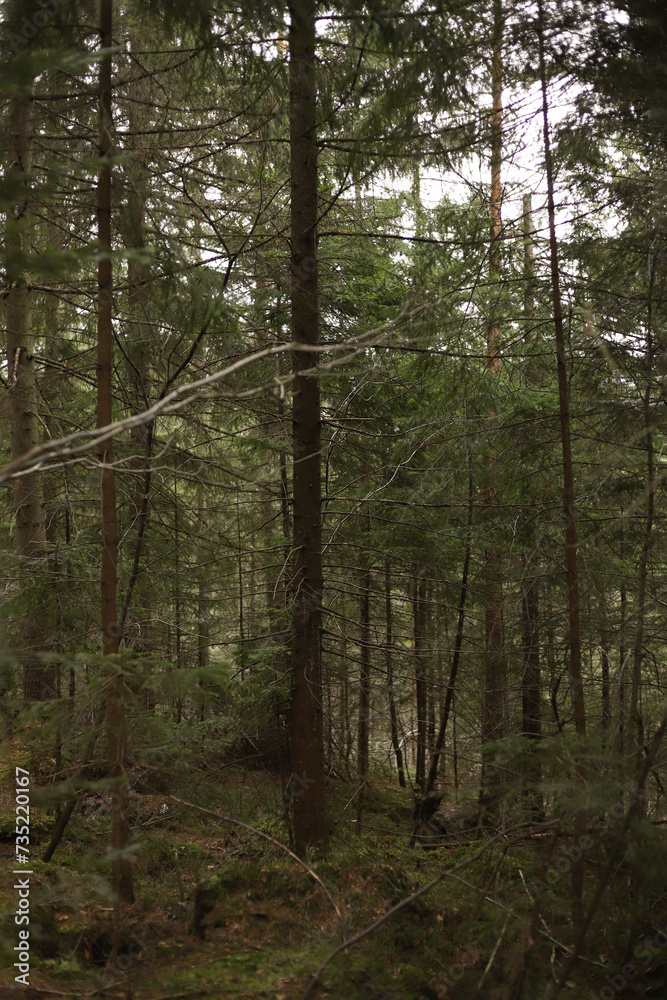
530	677
418	596
622	658
605	721
564	413
494	660
389	639
307	745
114	687
39	680
365	671
139	364
576	683
531	694
634	715
458	645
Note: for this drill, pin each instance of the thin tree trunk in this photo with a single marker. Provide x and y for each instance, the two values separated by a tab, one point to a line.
365	671
114	690
345	703
389	639
564	411
458	645
494	661
576	683
177	597
429	673
622	658
418	596
634	714
531	693
530	677
307	745
58	578
604	666
138	355
203	600
364	686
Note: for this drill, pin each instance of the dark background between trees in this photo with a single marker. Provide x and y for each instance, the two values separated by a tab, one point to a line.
372	561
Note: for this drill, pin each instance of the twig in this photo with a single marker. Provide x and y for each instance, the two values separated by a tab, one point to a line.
315	978
265	836
493	953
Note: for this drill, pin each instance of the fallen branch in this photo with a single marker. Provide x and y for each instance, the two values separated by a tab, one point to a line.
409	900
265	836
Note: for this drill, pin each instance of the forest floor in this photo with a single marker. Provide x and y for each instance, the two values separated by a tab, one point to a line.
265	924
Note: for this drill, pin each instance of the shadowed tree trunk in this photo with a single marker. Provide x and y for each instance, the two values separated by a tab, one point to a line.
418	600
307	745
139	346
605	721
114	687
576	684
494	660
634	715
622	653
456	657
530	602
530	692
365	671
39	680
364	684
389	639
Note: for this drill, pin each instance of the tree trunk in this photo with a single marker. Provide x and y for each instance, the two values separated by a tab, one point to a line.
576	684
605	721
458	644
429	672
494	661
345	703
39	681
365	671
307	745
389	639
114	689
531	693
622	651
530	677
418	597
634	715
138	354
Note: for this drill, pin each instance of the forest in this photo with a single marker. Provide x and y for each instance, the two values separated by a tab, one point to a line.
332	570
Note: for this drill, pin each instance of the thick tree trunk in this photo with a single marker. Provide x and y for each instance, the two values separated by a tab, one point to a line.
39	681
307	747
114	688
